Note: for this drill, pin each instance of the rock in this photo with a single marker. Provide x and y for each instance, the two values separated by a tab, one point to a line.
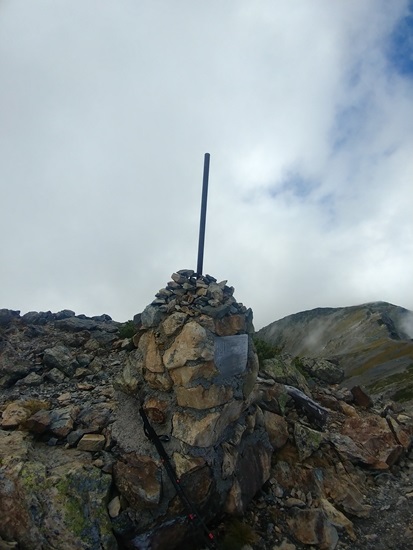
313	527
307	440
52	484
253	470
151	316
149	349
64	314
192	344
59	422
294	502
56	376
378	436
174	322
59	357
95	417
239	443
4	545
199	397
38	318
337	518
347	409
323	370
138	479
230	325
282	370
114	507
91	442
31	379
361	398
184	376
285	545
277	429
14	415
199	433
132	375
158	381
7	316
12	365
355	452
185	464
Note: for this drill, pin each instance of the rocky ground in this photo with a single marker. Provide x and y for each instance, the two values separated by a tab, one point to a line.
346	484
388	525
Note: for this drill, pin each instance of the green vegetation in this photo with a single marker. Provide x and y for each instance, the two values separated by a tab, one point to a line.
299	365
72	503
404	378
265	350
238	535
378	353
127	330
404	394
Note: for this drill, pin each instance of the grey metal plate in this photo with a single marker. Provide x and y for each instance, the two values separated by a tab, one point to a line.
231	354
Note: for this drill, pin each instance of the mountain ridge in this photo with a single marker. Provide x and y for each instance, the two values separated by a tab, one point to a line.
371	341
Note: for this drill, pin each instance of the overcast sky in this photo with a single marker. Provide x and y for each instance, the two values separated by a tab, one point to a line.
106	111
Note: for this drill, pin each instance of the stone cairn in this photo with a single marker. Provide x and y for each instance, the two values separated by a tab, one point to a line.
202	400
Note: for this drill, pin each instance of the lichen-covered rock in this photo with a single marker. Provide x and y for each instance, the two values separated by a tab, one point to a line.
322	369
231	433
307	440
282	370
60	487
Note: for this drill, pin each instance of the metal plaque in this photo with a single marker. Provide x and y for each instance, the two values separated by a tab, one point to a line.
231	354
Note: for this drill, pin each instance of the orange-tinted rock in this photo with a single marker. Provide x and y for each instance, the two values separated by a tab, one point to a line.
139	481
203	398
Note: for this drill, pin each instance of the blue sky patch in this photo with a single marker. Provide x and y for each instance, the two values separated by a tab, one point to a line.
294	184
400	51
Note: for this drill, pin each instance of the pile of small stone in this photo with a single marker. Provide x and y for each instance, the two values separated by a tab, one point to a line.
191	293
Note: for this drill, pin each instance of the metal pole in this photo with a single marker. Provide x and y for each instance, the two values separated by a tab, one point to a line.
203	216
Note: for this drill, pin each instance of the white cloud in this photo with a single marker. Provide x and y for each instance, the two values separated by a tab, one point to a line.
107	109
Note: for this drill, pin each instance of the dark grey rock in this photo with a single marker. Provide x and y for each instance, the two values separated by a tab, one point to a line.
76	324
31	379
323	370
7	316
12	365
59	357
38	317
103	318
216	312
180	279
64	314
84	360
56	376
186	272
151	316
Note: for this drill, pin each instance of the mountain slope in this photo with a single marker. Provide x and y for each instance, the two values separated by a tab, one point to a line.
371	342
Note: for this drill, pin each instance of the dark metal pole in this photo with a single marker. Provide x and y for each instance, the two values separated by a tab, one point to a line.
203	216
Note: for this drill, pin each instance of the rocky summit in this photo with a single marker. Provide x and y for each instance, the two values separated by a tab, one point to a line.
251	450
372	343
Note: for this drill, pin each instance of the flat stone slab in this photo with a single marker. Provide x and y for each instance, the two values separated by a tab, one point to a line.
231	354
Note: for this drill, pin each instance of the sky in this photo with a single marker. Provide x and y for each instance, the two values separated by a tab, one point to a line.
107	108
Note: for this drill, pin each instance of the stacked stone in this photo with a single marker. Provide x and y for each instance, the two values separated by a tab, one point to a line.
194	294
176	336
217	437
